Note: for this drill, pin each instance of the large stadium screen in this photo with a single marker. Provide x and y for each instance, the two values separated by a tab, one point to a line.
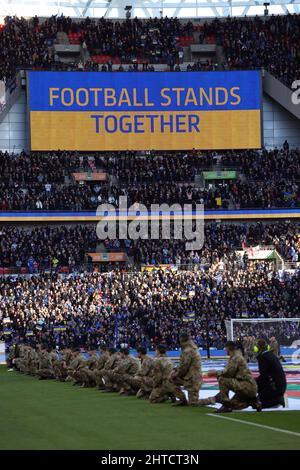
144	111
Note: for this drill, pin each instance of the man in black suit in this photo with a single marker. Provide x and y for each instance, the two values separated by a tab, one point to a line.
271	382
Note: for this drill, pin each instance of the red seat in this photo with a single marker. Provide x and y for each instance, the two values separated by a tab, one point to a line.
24	270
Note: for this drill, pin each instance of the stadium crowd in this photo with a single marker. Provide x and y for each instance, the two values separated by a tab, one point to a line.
43	248
270	42
155	40
31	168
219	240
80	197
51	197
144	308
30	44
36	181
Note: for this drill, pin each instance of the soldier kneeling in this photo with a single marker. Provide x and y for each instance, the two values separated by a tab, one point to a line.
163	387
236	377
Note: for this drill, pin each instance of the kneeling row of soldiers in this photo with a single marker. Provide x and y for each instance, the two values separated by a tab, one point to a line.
145	377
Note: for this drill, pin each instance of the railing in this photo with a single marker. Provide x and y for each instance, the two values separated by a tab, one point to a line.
125	267
128	269
215	210
291	265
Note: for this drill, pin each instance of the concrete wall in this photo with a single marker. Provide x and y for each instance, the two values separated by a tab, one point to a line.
280	93
278	125
13	128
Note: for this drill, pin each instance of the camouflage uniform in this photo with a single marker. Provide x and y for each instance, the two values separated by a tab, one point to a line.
53	362
33	361
20	358
44	370
60	366
188	373
142	382
111	363
236	377
88	371
75	369
24	362
120	376
163	388
98	371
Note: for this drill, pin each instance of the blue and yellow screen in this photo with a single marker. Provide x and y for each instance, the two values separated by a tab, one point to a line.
144	110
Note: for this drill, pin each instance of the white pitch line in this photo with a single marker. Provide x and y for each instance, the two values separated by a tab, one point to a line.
292	433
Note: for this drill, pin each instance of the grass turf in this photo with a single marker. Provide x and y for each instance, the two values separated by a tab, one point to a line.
51	415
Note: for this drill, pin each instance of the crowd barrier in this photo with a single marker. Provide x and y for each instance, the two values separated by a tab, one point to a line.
91	216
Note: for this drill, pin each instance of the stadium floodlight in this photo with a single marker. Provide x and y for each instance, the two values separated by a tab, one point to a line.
266	11
128	9
285	330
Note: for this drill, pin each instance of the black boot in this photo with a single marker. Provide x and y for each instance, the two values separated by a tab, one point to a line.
282	401
256	404
224	409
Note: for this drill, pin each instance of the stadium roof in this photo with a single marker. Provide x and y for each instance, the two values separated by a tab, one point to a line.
146	8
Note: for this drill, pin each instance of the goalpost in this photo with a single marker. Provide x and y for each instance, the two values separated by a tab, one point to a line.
285	330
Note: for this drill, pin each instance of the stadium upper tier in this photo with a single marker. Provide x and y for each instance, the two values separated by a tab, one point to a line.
271	43
65	248
65	181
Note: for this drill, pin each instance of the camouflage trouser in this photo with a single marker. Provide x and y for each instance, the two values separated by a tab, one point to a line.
132	384
114	380
60	371
23	366
162	393
89	377
191	386
98	375
45	373
244	392
145	387
33	368
18	362
78	375
147	384
109	379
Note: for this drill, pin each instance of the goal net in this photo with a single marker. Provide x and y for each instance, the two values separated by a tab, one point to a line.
285	330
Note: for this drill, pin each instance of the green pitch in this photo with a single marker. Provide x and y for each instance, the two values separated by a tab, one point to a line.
50	415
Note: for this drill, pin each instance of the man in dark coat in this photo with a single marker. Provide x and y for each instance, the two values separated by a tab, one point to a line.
271	381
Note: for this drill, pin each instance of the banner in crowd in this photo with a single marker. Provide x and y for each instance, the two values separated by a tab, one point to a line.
220	175
90	111
158	267
188	317
119	256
